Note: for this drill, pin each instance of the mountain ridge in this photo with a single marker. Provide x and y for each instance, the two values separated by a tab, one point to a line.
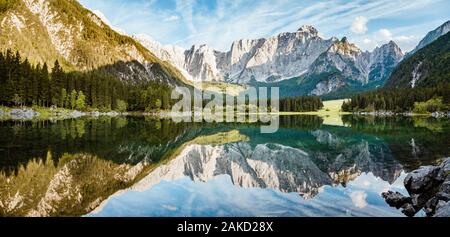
45	31
425	68
282	57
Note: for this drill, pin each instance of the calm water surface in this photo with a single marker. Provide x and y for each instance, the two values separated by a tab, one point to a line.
136	166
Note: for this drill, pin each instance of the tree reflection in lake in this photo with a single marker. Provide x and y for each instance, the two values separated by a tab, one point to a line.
70	167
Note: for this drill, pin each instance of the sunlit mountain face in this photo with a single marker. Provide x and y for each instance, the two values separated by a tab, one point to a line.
136	166
87	90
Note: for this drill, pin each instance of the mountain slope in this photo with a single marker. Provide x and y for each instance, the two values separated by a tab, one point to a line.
427	67
49	30
431	37
345	67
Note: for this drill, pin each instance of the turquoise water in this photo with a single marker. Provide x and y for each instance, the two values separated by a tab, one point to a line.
149	167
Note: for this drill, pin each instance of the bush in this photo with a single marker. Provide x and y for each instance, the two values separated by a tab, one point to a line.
430	106
121	106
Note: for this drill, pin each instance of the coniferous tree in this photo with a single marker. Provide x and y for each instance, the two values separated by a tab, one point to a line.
80	103
73	99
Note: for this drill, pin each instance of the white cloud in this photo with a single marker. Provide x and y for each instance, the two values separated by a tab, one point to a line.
229	20
403	38
367	41
359	25
172	18
384	34
359	199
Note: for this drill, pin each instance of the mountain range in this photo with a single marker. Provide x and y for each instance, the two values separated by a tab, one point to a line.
300	63
303	53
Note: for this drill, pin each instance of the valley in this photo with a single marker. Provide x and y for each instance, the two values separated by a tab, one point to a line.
99	119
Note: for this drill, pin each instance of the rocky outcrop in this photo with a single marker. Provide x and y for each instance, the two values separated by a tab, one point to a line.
327	86
353	64
429	189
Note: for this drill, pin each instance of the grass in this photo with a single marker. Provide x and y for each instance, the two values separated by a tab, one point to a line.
330	113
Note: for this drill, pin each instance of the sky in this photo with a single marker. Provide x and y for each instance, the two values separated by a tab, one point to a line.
218	23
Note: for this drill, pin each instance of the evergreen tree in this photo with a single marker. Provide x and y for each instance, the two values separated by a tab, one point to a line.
73	99
80	103
63	99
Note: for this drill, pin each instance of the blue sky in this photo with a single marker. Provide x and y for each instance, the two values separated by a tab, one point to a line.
219	22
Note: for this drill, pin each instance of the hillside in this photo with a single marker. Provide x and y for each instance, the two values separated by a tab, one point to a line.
48	30
426	68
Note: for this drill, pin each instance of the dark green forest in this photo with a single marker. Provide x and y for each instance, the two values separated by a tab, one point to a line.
400	100
301	104
432	63
22	84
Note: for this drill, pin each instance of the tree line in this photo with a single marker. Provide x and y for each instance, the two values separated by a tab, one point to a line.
400	100
22	84
301	104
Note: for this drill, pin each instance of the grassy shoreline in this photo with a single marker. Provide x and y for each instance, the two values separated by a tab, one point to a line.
330	112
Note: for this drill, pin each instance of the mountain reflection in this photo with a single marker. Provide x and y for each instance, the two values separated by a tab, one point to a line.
73	167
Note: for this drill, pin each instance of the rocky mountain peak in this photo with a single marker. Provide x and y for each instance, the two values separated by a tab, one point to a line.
344	47
308	29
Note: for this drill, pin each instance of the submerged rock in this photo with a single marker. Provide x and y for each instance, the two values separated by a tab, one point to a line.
429	189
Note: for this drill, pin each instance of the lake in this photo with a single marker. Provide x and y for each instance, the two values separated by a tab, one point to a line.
143	166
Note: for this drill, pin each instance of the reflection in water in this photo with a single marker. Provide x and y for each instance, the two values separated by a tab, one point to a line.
220	197
164	168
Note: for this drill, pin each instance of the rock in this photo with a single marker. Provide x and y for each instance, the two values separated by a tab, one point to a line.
95	113
112	114
438	114
444	170
443	209
409	210
396	199
429	188
421	180
430	206
445	187
77	114
23	114
419	200
444	191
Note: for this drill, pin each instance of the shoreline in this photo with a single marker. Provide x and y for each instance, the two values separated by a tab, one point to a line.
43	113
